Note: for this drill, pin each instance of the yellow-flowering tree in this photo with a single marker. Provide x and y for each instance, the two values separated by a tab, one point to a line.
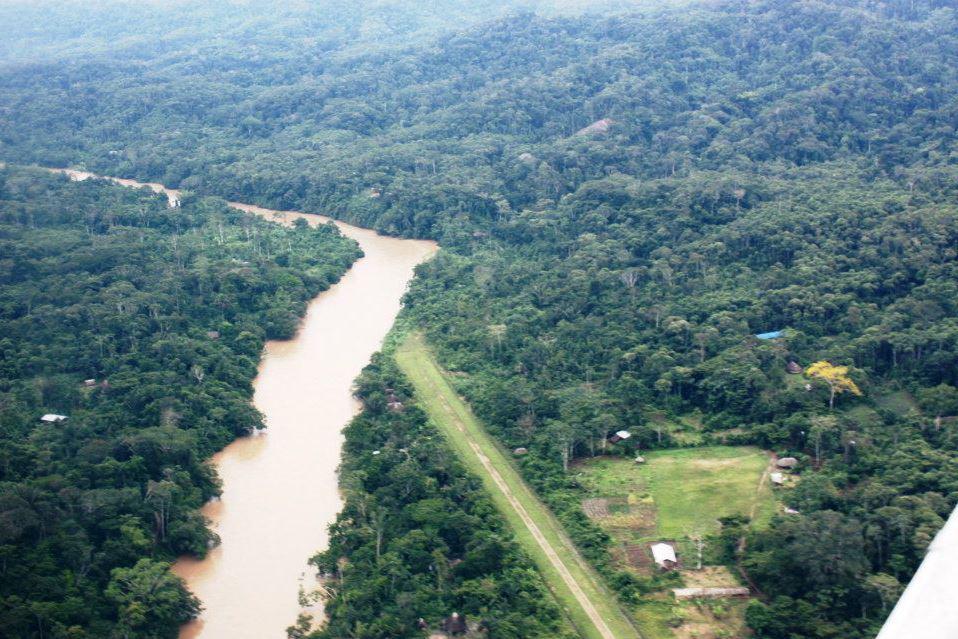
836	377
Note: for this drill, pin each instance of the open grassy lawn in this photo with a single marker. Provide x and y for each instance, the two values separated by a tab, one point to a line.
590	606
684	490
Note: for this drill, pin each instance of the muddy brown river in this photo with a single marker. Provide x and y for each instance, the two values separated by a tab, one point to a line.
280	489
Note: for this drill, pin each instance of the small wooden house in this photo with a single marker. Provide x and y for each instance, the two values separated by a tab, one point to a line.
619	436
519	452
793	368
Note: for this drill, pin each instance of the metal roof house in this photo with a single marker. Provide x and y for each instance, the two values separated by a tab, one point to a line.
664	555
771	335
53	418
927	607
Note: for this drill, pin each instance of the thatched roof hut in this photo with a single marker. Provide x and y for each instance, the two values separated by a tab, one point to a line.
454	624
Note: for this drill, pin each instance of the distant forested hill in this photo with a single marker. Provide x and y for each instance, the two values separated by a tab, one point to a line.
483	122
625	200
142	325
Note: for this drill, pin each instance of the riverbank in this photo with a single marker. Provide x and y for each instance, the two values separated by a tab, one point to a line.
280	487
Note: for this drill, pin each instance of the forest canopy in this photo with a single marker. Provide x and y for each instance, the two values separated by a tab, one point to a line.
141	325
626	201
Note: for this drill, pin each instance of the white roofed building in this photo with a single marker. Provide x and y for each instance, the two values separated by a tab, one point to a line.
664	555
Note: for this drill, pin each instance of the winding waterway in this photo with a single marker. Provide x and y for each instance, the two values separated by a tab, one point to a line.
280	488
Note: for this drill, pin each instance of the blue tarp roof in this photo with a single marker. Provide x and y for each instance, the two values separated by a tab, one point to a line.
772	335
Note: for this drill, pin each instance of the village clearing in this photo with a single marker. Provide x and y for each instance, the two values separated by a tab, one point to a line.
675	495
681	491
588	604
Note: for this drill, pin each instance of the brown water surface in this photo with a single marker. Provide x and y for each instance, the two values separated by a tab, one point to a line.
280	488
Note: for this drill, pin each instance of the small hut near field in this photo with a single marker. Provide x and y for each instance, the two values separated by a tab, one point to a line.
454	624
664	555
619	436
787	462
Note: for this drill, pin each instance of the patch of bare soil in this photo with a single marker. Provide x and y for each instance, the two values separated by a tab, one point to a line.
596	508
638	556
713	620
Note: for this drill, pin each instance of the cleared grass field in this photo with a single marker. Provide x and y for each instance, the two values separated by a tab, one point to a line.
686	490
590	606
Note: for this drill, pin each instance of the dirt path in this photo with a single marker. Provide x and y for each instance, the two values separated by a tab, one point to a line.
751	515
761	482
533	528
560	558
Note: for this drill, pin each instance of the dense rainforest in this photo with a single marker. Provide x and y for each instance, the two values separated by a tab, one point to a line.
625	199
418	537
141	325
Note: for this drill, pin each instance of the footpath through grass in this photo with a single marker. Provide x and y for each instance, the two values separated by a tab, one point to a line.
590	606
